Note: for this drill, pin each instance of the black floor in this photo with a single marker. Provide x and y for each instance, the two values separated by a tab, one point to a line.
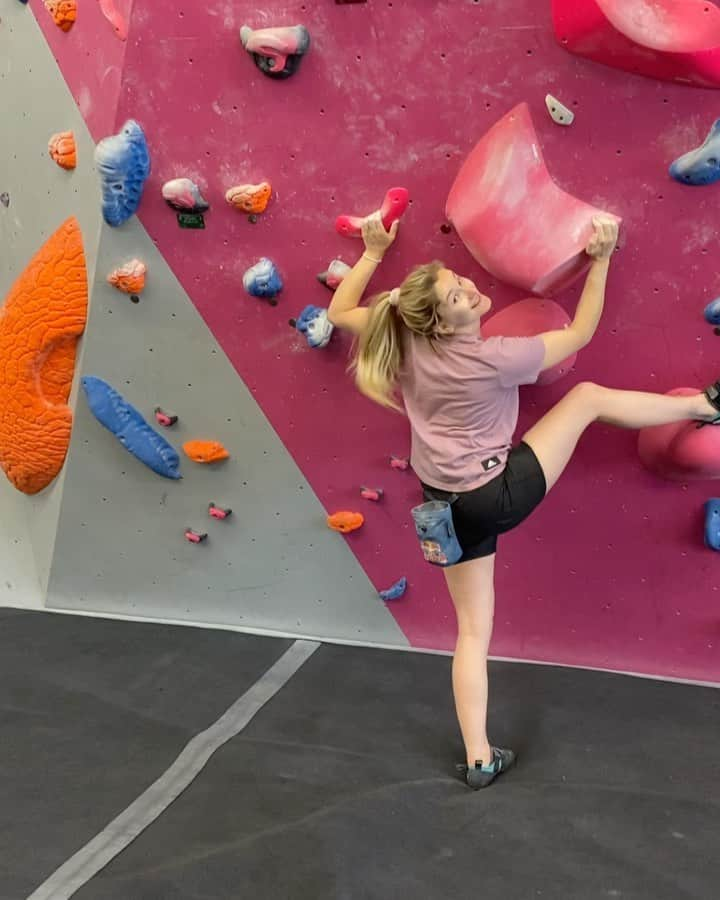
343	786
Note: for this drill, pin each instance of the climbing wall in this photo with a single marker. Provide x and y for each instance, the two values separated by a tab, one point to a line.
611	571
116	528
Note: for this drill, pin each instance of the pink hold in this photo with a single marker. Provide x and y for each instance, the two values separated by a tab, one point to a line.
334	275
526	318
673	40
194	537
217	512
183	193
512	217
399	462
276	50
115	18
164	419
374	494
681	451
394	205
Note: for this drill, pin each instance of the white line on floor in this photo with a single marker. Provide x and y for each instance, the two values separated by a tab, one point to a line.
113	839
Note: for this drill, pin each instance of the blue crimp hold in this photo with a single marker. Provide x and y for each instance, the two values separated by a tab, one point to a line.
130	428
712	524
123	161
701	166
313	322
712	312
396	591
263	279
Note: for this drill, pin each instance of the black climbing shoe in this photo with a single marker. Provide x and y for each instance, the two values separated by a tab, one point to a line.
713	395
480	776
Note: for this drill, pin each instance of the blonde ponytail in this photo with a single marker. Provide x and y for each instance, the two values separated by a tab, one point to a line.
379	351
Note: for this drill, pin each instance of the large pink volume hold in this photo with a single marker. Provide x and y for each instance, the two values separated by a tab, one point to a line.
681	451
502	193
673	40
528	318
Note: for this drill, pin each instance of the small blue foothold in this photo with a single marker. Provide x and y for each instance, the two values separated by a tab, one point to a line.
712	312
396	591
263	280
123	161
313	322
712	524
701	166
113	411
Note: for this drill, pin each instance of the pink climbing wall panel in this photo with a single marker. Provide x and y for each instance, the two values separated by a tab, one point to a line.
611	571
91	57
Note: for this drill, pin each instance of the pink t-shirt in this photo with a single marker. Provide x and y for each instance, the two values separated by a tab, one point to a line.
461	397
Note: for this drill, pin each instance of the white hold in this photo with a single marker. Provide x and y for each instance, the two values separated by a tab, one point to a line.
182	193
558	112
333	277
338	269
320	330
313	322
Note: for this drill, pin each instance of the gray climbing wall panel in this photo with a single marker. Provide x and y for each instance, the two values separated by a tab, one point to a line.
35	104
107	536
120	548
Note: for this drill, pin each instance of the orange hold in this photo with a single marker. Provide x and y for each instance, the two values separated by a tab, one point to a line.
130	278
63	149
250	198
64	12
43	317
205	451
345	521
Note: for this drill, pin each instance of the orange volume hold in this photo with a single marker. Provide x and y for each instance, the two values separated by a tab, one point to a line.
345	521
205	451
63	149
64	12
43	317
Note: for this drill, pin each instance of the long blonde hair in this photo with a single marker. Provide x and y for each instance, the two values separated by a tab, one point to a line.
378	354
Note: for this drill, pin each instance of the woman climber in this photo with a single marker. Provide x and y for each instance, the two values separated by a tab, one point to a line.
422	341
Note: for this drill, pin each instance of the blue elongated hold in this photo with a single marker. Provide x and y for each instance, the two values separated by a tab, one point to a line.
701	166
396	591
712	524
263	279
313	322
712	312
123	161
130	428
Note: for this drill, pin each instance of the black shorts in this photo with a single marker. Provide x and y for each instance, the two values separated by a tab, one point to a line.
480	515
